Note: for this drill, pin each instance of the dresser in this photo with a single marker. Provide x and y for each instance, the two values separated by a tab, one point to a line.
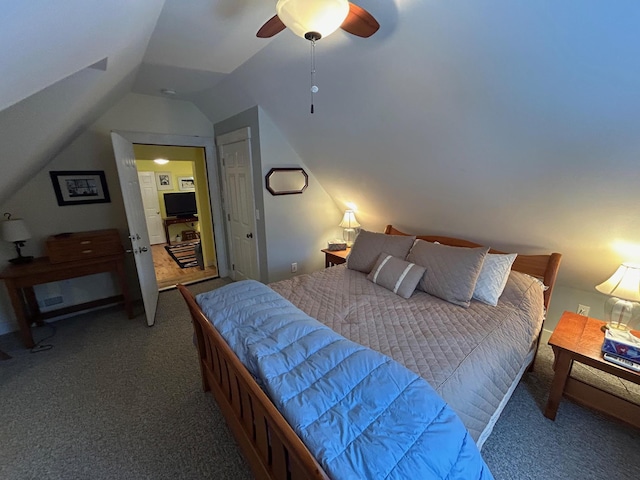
70	255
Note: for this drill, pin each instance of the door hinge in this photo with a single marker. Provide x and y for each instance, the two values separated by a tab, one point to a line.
233	266
228	216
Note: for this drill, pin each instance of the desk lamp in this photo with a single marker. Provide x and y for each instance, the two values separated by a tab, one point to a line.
622	308
349	223
15	230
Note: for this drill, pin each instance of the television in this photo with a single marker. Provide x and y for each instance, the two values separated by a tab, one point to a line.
182	204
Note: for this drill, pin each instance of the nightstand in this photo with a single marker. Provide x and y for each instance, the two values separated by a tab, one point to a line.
579	339
335	257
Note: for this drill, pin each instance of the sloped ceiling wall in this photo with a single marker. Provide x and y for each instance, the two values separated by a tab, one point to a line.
489	119
47	94
513	123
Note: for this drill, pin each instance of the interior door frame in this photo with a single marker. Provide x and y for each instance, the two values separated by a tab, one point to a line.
213	176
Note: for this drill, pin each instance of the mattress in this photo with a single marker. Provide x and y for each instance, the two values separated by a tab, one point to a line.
470	356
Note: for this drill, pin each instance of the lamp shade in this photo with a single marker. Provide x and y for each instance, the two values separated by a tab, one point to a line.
318	16
15	230
624	283
349	220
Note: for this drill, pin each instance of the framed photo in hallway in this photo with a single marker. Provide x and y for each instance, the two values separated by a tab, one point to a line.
164	181
186	184
80	187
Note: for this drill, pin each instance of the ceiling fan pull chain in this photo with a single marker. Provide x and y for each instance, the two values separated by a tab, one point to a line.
314	87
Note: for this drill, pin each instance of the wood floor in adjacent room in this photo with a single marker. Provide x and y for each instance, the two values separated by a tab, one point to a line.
168	273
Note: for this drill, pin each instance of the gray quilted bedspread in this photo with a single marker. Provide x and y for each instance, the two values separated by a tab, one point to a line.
470	356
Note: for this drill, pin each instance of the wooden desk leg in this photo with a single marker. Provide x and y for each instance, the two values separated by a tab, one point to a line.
563	364
32	304
122	278
21	315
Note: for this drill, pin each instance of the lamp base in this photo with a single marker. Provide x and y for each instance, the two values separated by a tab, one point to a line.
21	260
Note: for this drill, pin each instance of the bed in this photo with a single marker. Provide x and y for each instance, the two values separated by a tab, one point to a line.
470	355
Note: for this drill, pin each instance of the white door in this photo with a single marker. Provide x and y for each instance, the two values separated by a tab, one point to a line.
235	155
128	173
151	206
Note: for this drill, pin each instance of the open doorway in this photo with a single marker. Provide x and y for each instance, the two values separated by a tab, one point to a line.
177	206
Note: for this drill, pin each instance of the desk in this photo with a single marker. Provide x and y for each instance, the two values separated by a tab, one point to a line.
175	220
20	280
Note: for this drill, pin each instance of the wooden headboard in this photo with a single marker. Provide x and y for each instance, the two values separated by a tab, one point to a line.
544	267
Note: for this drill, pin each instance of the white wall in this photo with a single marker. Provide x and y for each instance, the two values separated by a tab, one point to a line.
35	202
292	228
508	123
297	226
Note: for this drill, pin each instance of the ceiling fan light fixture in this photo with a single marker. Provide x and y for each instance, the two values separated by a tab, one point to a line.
312	20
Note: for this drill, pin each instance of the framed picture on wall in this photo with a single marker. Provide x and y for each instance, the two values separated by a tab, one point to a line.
80	187
186	184
164	181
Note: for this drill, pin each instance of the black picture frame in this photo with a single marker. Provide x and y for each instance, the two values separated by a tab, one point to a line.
286	181
80	187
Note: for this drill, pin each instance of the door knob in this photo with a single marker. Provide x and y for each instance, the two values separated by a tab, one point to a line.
143	249
249	235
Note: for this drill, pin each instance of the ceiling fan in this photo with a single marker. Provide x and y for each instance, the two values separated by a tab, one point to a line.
315	19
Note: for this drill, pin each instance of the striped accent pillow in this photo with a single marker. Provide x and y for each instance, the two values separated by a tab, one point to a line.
396	275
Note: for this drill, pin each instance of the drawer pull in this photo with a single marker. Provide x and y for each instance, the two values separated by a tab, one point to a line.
87	251
85	242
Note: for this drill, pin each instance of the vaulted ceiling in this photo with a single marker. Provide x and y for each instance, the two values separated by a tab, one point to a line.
490	119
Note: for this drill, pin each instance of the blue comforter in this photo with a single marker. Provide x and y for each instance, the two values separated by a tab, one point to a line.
361	414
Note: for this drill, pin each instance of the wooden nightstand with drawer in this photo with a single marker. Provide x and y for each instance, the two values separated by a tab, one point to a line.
335	257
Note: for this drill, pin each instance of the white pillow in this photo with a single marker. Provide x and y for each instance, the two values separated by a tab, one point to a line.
493	277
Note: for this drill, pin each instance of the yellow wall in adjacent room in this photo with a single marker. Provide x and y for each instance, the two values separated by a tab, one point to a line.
183	162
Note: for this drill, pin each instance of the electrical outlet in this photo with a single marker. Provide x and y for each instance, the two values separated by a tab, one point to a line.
294	267
583	310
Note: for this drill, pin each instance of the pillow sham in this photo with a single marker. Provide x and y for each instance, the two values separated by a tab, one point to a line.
493	277
451	272
395	274
369	245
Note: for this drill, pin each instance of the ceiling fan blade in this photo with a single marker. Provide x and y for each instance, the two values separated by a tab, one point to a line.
273	26
359	22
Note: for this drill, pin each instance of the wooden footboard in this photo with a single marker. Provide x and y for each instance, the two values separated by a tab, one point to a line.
270	445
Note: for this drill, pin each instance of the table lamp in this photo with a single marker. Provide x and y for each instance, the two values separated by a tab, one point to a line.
622	309
15	230
349	223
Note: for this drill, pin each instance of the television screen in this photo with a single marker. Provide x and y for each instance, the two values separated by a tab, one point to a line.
181	204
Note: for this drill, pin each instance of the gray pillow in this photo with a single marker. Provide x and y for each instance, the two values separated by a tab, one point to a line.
452	272
395	274
369	245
